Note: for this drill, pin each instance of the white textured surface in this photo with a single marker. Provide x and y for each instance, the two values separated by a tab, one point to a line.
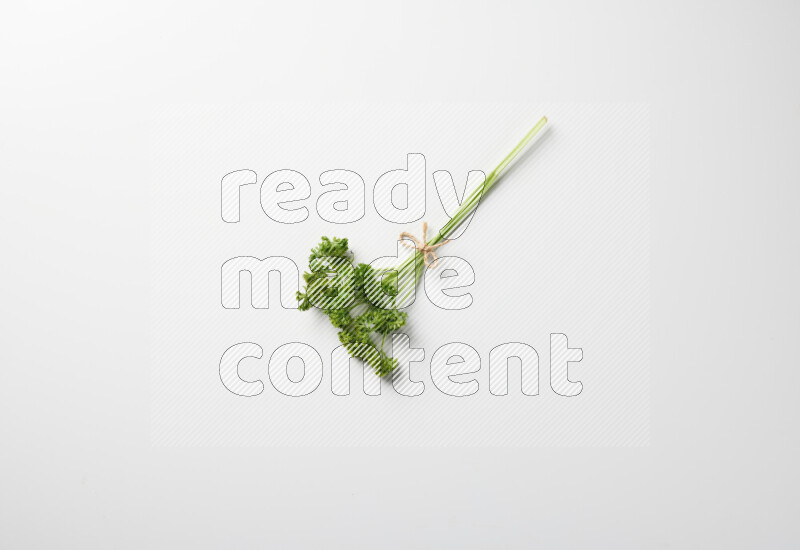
79	81
560	245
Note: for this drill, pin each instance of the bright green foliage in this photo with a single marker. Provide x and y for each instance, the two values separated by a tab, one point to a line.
359	319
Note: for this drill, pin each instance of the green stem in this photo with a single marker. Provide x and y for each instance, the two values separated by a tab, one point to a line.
466	208
477	195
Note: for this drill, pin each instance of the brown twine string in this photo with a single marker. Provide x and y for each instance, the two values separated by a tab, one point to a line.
423	247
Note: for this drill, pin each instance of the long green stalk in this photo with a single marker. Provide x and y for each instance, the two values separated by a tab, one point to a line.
416	262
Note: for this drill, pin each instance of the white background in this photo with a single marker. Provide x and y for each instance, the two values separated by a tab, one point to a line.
78	83
560	245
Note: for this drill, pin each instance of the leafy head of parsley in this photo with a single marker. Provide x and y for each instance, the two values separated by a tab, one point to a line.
343	293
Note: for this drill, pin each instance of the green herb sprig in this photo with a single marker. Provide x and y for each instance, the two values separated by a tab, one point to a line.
364	302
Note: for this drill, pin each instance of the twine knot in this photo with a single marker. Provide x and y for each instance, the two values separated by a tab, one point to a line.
423	247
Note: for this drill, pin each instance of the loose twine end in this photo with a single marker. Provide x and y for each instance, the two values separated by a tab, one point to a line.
427	251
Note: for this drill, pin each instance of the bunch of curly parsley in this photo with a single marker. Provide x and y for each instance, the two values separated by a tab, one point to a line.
348	295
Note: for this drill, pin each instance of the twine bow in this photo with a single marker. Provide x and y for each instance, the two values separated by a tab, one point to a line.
423	247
